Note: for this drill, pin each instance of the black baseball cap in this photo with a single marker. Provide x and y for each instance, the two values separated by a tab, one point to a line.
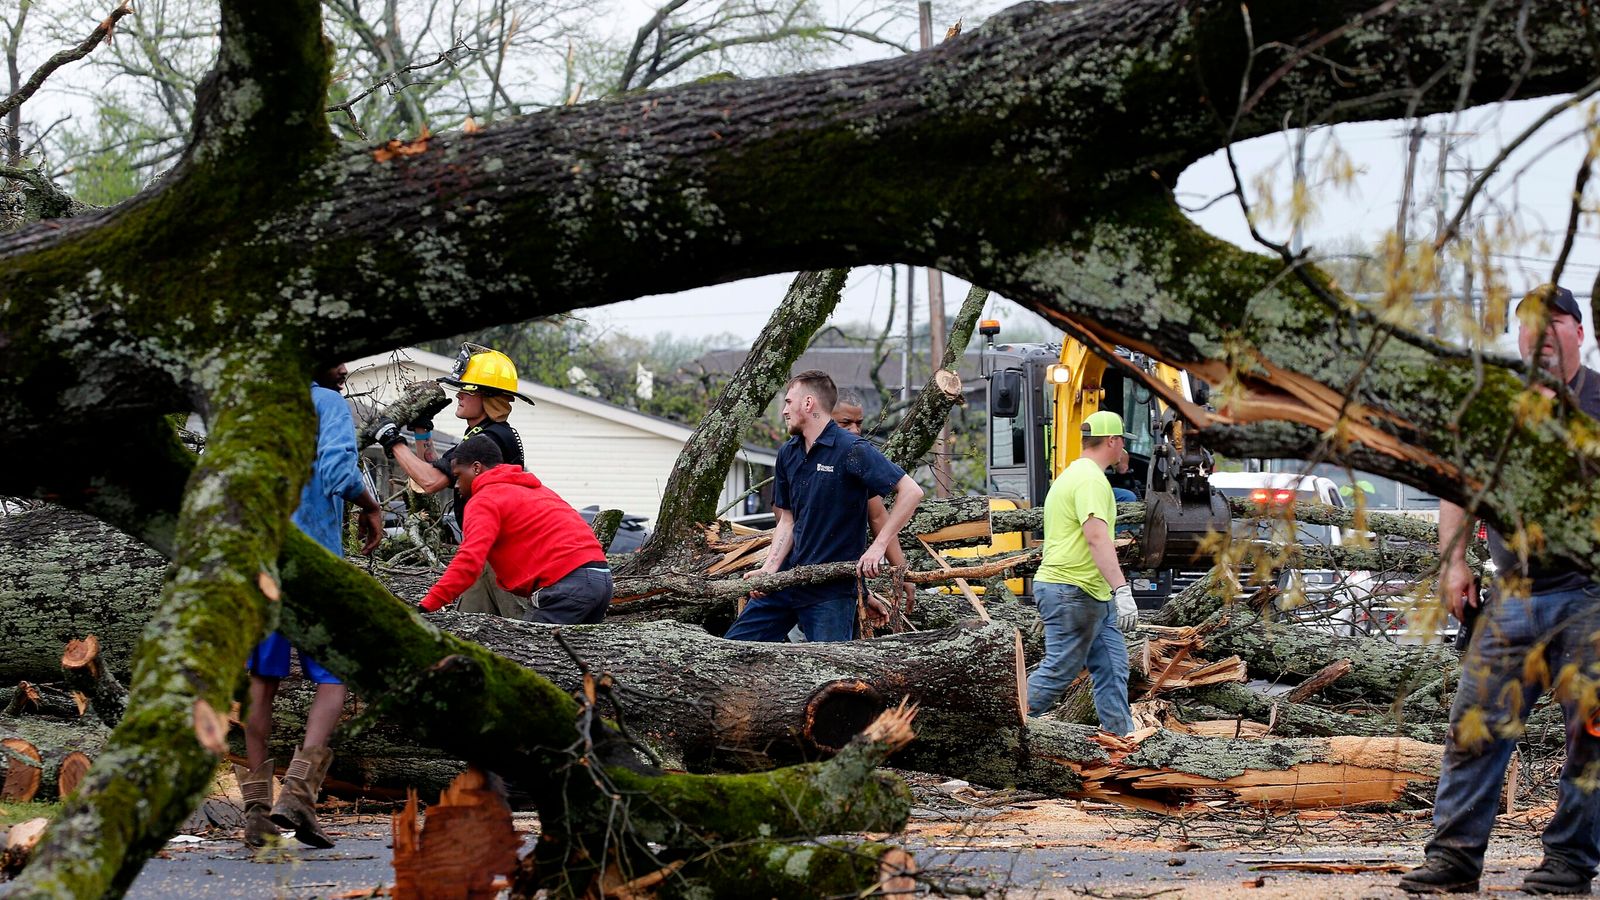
1557	299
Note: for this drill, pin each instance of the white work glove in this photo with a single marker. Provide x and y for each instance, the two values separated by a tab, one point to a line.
1127	610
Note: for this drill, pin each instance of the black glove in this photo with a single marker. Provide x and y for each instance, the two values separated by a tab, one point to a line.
388	434
422	424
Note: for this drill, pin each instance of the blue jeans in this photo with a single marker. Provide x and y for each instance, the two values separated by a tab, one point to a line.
1081	631
1562	625
769	619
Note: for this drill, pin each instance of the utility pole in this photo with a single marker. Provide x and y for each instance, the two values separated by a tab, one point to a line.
905	353
941	447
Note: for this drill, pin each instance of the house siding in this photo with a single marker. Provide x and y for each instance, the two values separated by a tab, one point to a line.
588	459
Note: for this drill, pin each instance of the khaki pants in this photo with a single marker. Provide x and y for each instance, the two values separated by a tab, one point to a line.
487	596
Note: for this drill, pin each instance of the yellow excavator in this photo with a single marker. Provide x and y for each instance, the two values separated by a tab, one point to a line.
1039	395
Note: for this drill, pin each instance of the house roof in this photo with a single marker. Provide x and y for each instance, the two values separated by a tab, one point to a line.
543	393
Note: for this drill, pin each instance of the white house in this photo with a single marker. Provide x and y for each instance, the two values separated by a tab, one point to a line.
587	450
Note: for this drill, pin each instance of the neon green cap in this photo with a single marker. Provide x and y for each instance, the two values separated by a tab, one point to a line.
1104	423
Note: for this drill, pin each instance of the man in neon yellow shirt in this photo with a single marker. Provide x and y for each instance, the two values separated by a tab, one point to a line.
1084	600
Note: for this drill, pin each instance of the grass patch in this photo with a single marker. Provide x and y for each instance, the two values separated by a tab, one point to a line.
12	812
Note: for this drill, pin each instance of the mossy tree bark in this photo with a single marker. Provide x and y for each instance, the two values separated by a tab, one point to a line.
692	491
268	246
1029	202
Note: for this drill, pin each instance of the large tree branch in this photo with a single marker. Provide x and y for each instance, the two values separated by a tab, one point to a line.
215	607
713	182
928	413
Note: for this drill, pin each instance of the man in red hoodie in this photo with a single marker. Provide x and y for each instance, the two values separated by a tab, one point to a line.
538	545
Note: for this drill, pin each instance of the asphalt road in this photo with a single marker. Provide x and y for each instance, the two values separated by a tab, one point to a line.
222	869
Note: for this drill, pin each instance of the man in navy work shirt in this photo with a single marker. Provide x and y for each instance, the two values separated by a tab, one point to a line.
824	477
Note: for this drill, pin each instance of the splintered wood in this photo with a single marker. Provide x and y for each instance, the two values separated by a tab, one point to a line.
463	842
1168	660
1143	771
1304	773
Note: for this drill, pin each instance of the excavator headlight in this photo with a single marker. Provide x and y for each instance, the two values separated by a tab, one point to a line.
1058	374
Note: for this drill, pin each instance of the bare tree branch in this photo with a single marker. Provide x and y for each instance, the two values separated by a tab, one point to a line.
101	32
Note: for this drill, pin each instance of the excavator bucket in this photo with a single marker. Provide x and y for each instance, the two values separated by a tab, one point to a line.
1175	530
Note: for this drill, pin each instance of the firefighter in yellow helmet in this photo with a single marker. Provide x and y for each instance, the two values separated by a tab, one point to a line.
486	384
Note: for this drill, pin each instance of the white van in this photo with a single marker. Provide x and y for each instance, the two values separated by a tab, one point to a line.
1321	598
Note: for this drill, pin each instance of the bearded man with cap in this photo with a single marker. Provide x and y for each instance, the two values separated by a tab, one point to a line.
1084	600
486	384
1545	612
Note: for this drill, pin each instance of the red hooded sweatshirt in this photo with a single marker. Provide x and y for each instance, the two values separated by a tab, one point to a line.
526	531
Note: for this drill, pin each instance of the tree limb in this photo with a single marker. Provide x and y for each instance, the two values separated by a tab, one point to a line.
101	32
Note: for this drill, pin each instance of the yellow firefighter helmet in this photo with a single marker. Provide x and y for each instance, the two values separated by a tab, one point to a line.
479	368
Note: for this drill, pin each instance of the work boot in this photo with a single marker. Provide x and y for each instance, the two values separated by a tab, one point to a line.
1555	876
1440	875
256	786
297	802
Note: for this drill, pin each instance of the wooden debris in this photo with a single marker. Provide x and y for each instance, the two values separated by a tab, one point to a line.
1322	866
17	843
1311	686
465	840
966	589
1169	662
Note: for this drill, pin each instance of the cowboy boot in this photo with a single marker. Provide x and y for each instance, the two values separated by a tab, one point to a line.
256	786
297	802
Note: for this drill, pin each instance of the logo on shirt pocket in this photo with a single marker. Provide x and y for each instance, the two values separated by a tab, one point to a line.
823	468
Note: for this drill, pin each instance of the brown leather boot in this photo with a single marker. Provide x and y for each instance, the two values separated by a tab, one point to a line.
256	786
297	802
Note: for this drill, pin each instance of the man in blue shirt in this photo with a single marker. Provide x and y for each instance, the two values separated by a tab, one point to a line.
335	478
820	489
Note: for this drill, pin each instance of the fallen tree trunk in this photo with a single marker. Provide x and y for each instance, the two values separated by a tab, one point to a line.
1282	716
63	575
704	703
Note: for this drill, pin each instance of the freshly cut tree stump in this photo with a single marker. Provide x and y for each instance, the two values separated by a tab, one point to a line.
87	673
74	765
464	841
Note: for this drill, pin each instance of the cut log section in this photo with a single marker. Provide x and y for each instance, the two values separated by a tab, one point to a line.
703	702
57	701
23	770
45	758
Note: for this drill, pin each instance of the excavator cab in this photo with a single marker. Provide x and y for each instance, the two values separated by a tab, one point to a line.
1039	395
